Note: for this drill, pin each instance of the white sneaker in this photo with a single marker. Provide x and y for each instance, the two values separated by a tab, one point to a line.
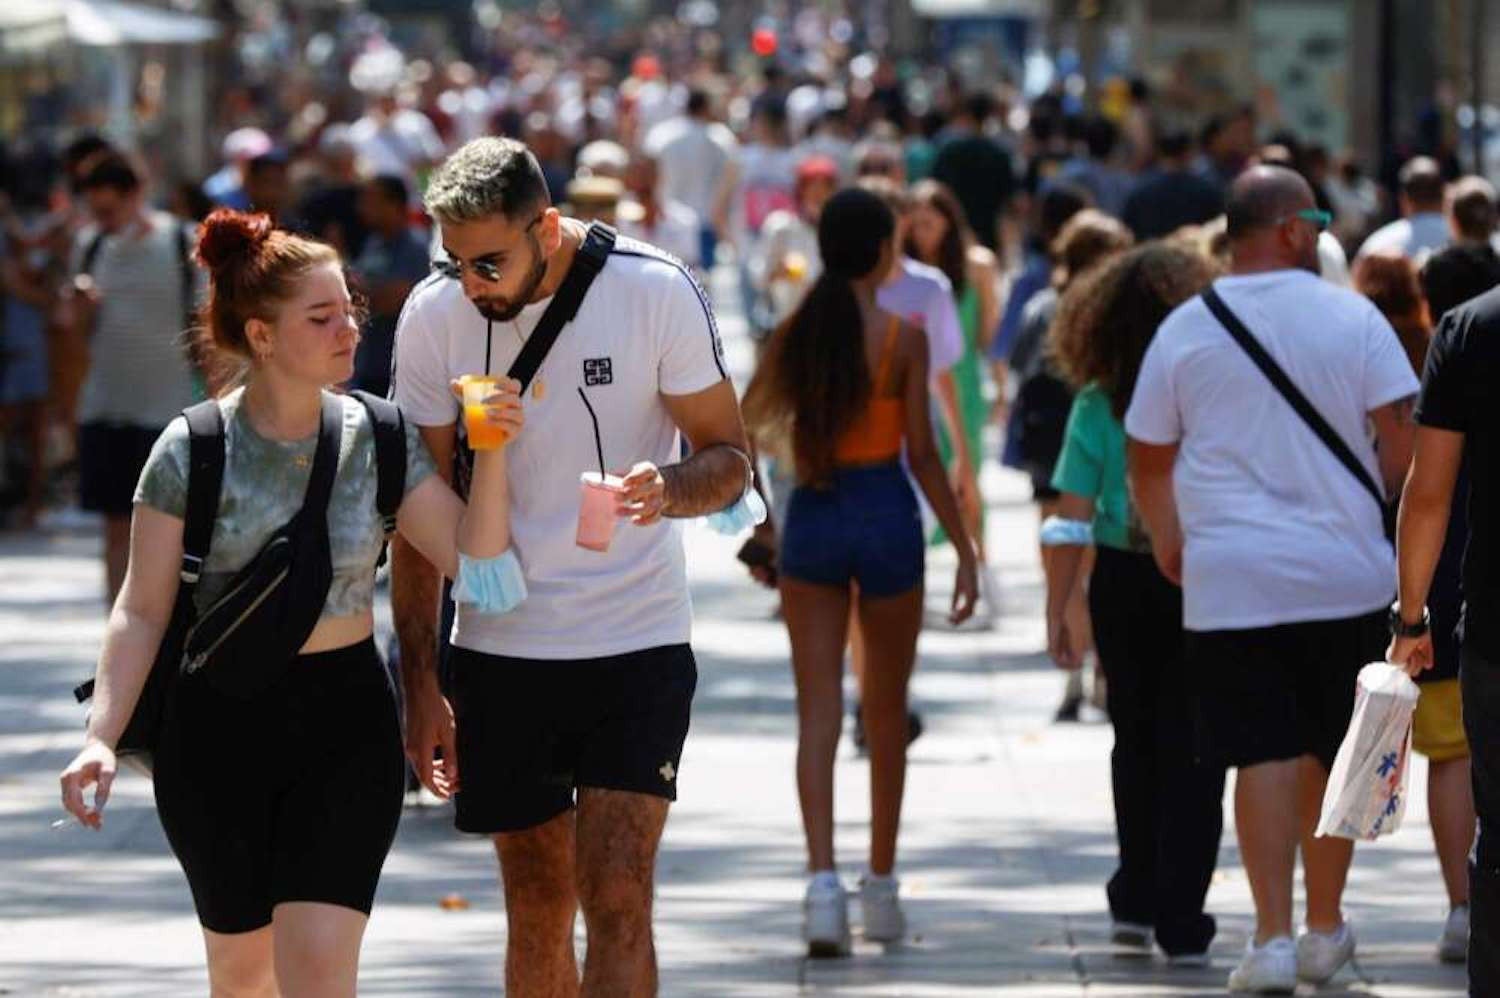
825	918
1321	954
1453	947
1127	939
1268	969
883	920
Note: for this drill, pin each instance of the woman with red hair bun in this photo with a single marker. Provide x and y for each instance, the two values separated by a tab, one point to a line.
277	765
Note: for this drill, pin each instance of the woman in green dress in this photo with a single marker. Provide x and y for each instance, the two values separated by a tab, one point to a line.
939	236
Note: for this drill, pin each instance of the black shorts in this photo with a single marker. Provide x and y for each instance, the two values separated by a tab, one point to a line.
1272	693
293	795
530	731
110	459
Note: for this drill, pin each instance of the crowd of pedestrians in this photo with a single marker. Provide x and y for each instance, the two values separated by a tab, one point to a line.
1114	308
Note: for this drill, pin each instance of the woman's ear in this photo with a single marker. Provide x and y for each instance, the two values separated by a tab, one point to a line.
259	337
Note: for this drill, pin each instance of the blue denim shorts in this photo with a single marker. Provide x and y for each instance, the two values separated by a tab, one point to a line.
866	528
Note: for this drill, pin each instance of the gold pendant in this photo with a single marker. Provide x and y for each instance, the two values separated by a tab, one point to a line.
538	389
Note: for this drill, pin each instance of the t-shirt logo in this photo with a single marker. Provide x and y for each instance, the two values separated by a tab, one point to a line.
598	371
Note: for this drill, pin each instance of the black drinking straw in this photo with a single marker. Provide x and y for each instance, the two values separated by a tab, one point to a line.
598	441
489	339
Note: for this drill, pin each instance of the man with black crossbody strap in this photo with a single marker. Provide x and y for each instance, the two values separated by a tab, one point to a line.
1252	466
585	689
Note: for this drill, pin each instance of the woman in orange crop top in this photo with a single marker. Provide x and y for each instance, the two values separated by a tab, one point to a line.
842	391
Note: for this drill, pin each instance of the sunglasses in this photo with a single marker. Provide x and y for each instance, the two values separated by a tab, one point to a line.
486	270
1319	220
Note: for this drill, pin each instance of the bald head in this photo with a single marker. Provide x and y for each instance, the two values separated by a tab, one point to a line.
1263	196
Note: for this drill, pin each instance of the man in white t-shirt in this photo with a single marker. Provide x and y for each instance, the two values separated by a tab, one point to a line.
652	217
696	155
1280	550
587	685
1422	226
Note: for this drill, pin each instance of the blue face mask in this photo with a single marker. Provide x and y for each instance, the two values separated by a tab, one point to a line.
749	510
490	585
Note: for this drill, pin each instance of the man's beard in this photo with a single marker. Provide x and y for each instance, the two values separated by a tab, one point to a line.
514	306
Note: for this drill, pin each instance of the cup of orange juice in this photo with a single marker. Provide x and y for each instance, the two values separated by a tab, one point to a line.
795	265
483	435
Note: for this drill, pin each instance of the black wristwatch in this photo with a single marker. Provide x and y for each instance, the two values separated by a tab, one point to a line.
1401	629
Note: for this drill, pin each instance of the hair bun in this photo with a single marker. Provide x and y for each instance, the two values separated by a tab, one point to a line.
229	237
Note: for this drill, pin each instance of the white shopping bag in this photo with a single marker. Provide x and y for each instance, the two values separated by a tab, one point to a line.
1366	795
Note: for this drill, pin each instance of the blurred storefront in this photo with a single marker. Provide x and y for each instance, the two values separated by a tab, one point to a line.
129	70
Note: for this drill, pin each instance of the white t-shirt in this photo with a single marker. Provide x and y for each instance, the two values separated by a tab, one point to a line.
693	156
923	296
1416	236
644	330
398	144
138	373
1276	530
676	231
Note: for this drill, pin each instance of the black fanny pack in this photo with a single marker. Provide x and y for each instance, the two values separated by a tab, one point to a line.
251	634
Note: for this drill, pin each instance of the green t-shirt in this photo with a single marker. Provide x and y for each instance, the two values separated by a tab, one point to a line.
1092	465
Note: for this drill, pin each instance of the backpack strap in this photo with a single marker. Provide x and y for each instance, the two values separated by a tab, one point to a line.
598	243
326	457
390	460
205	481
91	253
185	274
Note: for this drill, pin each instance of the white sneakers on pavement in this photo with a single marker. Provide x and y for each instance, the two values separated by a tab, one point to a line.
1321	954
1453	947
1267	969
883	920
825	913
825	917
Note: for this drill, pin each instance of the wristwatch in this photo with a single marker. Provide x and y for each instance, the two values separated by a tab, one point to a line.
1401	629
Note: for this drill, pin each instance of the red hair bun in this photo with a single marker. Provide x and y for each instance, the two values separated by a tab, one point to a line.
231	237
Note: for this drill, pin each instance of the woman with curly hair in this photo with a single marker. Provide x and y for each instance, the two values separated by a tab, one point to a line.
1167	807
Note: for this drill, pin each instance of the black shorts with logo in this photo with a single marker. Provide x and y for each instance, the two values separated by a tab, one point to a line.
1266	694
530	731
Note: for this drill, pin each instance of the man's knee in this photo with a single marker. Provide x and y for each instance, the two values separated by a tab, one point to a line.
536	867
616	900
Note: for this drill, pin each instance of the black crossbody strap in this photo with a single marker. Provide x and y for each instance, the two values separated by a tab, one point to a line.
598	243
1292	394
326	456
205	480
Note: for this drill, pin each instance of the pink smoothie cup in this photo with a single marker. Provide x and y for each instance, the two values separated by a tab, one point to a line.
599	508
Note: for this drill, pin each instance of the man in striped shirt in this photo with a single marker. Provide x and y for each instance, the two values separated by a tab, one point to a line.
133	288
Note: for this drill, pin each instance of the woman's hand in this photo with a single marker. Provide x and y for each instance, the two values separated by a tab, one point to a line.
965	589
1060	642
94	765
502	408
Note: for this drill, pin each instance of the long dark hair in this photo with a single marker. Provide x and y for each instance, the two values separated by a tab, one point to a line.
953	251
814	381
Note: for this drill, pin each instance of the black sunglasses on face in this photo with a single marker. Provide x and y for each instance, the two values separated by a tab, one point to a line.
485	269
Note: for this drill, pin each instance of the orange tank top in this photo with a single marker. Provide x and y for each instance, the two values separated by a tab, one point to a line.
875	438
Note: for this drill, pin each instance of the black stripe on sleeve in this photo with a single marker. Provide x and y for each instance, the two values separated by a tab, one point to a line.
648	252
